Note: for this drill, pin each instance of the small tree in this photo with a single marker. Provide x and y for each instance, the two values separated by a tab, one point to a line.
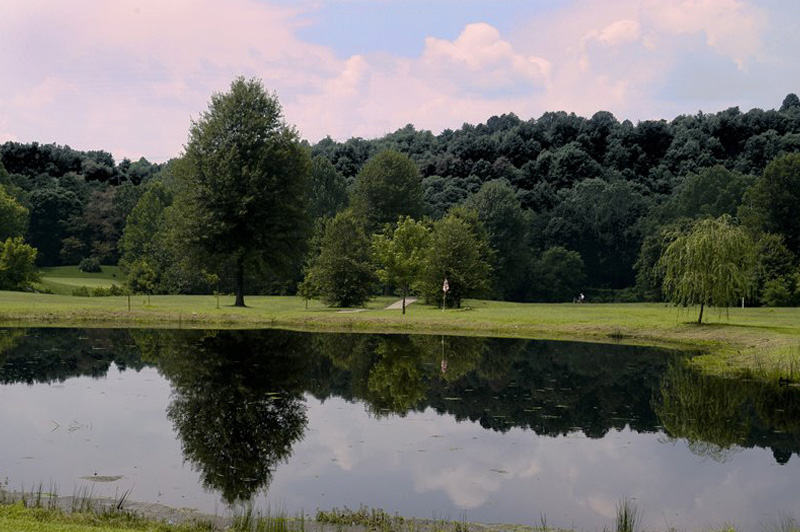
712	264
460	252
401	252
558	275
342	272
17	264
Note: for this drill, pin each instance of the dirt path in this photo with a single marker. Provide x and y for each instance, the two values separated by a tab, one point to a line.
399	304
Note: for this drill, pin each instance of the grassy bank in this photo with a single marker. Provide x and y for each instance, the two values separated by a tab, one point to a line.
756	341
63	280
19	517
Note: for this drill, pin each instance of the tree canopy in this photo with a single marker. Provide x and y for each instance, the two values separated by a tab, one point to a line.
242	184
712	264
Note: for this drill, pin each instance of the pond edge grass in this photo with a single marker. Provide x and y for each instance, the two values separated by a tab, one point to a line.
755	343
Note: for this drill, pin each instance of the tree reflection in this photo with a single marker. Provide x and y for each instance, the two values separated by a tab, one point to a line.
54	355
237	403
718	416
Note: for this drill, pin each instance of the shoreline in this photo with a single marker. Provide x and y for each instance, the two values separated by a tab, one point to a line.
739	342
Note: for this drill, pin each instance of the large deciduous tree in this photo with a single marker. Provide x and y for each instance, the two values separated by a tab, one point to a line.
243	181
772	203
507	225
712	264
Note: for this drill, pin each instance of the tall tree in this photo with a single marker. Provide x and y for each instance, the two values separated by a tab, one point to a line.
507	225
243	181
388	186
772	203
52	210
327	191
712	264
401	252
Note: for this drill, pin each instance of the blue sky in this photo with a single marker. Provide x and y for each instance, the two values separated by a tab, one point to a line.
400	27
128	76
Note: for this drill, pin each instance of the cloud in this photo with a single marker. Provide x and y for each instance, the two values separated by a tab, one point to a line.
479	59
129	75
731	27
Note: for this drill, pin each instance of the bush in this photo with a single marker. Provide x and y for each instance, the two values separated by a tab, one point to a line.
90	265
778	292
81	292
106	291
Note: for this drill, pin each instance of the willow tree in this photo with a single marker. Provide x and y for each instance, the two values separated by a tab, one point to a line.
711	264
242	184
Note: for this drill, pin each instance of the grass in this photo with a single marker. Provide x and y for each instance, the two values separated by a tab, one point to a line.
62	280
755	342
38	512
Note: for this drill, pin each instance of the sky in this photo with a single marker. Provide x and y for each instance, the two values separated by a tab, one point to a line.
129	76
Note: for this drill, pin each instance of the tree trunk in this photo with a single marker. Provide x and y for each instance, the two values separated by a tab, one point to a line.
700	319
239	282
404	302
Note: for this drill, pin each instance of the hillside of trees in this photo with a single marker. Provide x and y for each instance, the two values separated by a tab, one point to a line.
536	210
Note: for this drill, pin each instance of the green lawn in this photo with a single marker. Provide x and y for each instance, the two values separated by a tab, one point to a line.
63	280
17	518
753	340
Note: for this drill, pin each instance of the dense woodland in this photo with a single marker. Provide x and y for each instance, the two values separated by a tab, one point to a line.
534	210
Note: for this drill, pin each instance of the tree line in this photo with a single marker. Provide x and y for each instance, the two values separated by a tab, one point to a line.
522	210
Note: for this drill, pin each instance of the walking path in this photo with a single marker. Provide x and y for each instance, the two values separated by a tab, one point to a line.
399	304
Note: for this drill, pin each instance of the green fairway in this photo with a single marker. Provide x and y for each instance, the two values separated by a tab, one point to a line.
64	279
751	341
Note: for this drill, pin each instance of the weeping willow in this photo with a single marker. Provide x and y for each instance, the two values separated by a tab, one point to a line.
711	265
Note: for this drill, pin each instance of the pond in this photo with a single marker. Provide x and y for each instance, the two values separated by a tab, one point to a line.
482	429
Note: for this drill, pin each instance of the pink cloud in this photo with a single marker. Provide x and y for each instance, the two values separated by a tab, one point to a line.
129	75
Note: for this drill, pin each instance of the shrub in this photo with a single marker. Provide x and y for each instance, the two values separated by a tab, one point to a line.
90	265
81	292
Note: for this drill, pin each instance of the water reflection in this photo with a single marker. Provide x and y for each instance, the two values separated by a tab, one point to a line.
719	417
236	405
239	399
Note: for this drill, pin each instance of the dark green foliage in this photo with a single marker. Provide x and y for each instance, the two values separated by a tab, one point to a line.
650	278
52	210
235	425
594	185
342	273
459	252
711	192
603	222
772	203
243	183
90	265
558	276
387	187
507	225
327	190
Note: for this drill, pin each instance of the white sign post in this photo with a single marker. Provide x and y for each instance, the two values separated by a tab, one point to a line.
445	289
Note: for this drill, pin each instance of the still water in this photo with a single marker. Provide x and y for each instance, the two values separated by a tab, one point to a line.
482	429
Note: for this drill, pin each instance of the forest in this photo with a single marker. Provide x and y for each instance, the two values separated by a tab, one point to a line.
541	209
